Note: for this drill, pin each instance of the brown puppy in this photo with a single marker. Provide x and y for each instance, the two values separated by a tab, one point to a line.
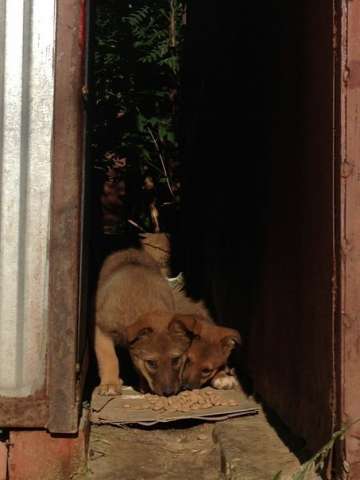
157	344
135	308
208	354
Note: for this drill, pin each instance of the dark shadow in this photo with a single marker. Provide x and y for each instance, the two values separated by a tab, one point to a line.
230	95
295	444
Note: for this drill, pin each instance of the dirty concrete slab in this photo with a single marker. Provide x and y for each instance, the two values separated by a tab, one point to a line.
251	450
252	447
142	454
247	448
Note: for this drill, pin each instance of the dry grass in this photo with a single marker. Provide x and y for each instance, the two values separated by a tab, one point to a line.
316	463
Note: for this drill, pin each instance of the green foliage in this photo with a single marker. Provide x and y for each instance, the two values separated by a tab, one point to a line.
156	32
136	66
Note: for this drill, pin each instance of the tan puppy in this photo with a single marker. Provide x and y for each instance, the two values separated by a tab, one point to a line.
158	345
208	354
135	308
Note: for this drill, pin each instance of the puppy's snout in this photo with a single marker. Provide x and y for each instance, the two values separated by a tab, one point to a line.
167	391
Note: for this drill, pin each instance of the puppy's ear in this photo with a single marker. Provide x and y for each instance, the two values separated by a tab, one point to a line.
230	338
183	324
136	331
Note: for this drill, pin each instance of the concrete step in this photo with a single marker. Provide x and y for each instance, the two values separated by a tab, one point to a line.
244	448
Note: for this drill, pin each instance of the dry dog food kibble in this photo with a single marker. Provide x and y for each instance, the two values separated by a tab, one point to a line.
188	400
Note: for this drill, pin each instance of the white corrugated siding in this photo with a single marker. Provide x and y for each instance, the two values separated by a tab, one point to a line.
26	115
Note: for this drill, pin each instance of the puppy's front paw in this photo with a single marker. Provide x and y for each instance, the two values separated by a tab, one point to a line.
107	389
222	381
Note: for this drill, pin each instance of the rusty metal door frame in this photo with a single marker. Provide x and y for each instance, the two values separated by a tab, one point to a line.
86	271
349	331
66	227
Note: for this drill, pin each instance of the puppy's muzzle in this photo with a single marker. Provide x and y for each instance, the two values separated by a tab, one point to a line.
167	391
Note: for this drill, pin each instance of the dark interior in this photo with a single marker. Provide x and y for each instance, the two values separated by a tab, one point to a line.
258	236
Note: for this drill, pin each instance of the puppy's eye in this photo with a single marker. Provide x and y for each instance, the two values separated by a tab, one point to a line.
175	361
205	371
151	364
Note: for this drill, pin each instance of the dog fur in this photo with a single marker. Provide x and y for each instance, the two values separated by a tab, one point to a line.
135	308
208	354
210	348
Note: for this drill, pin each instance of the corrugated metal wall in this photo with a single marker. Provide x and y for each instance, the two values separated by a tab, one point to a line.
26	116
